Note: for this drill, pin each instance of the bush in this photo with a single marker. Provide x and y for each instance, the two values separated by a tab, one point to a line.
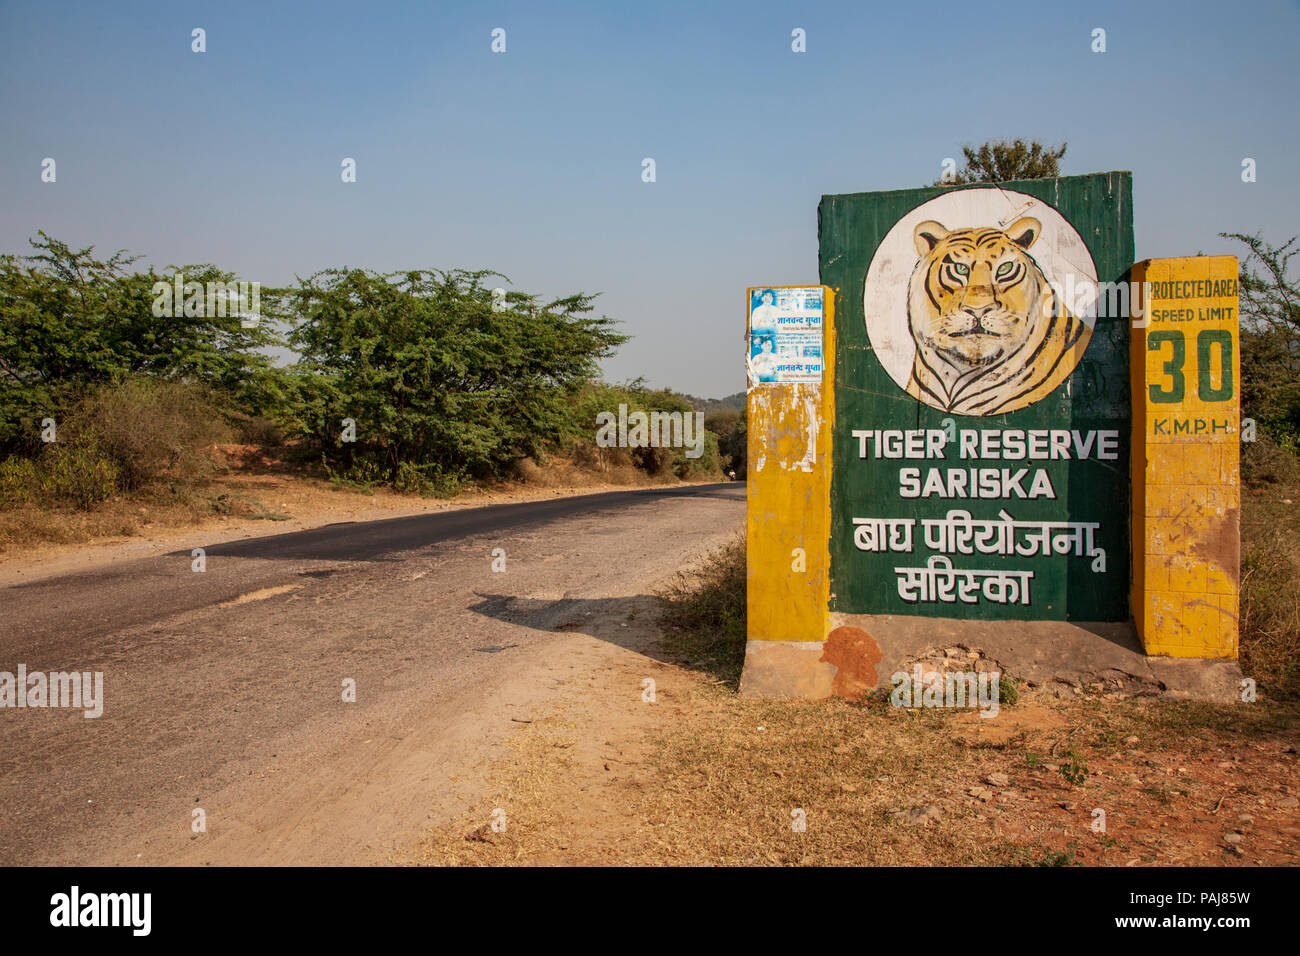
75	474
596	397
730	427
70	321
426	480
149	429
707	464
654	461
255	429
78	474
1270	618
117	439
706	610
18	481
1270	337
1266	461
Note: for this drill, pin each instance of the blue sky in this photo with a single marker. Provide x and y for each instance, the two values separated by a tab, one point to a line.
529	162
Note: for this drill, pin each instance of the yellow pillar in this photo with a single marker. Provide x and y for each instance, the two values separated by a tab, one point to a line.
1186	377
788	528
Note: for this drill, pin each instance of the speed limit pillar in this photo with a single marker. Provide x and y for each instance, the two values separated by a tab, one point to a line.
1186	455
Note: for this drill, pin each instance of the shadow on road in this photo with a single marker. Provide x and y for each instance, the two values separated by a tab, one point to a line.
596	617
377	540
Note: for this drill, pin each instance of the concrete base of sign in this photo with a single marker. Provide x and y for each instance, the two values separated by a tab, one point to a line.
786	669
1060	656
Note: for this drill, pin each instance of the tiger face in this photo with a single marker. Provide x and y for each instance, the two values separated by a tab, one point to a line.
989	334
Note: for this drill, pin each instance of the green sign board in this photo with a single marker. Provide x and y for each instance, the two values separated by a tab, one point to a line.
982	412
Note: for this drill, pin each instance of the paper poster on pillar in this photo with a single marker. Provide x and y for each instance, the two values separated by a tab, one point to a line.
982	409
785	335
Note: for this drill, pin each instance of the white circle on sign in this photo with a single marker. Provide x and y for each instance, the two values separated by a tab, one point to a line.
1046	241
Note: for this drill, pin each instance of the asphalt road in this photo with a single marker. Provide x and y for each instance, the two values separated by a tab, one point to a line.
223	690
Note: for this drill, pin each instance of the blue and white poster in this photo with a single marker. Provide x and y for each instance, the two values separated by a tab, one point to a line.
785	335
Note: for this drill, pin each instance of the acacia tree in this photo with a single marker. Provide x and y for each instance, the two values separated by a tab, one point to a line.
1002	161
435	378
70	321
1270	337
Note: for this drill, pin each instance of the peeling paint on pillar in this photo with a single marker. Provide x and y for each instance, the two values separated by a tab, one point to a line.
789	426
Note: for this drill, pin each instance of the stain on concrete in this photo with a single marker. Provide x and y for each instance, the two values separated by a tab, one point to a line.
1221	544
855	654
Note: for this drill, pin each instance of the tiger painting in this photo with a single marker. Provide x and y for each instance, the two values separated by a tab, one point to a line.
991	336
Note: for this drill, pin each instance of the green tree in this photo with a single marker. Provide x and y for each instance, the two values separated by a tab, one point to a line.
1002	161
434	377
1270	338
729	425
69	321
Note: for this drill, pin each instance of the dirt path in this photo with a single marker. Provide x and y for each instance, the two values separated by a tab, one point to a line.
704	777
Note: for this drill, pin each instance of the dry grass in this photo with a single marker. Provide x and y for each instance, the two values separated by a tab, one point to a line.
708	778
1270	569
32	525
130	514
723	777
704	615
583	468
